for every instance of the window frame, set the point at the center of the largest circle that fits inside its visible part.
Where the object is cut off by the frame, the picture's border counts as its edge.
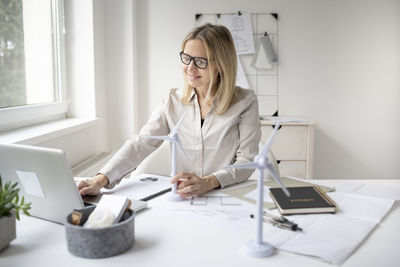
(21, 116)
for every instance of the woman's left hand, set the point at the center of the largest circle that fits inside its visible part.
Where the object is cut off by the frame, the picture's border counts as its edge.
(189, 184)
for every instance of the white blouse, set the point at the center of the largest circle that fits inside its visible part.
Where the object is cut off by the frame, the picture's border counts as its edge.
(232, 137)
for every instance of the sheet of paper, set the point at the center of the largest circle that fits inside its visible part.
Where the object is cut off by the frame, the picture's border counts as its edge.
(370, 190)
(253, 194)
(226, 213)
(332, 237)
(242, 32)
(140, 186)
(329, 237)
(241, 79)
(361, 207)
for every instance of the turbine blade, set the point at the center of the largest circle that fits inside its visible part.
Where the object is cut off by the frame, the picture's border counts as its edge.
(277, 179)
(271, 169)
(179, 143)
(268, 144)
(176, 127)
(251, 165)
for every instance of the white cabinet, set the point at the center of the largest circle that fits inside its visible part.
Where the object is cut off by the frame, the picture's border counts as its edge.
(293, 147)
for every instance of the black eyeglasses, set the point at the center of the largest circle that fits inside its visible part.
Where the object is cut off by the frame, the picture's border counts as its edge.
(199, 62)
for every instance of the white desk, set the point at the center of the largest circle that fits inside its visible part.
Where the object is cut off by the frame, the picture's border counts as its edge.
(162, 240)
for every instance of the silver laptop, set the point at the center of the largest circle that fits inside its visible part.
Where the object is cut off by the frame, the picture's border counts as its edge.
(45, 179)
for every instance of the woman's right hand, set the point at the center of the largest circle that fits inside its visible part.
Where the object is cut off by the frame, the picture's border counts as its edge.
(93, 185)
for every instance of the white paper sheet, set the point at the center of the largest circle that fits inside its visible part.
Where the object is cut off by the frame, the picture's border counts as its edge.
(241, 79)
(332, 237)
(242, 32)
(361, 207)
(329, 237)
(370, 190)
(253, 194)
(140, 186)
(226, 213)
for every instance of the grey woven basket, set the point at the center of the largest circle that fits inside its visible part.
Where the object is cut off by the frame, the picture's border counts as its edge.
(102, 242)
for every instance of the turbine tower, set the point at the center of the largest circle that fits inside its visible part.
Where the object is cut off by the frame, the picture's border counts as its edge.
(173, 137)
(258, 248)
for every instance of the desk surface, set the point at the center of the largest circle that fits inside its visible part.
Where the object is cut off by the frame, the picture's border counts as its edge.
(162, 240)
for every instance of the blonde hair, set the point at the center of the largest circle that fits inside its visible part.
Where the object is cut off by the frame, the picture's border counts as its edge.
(221, 51)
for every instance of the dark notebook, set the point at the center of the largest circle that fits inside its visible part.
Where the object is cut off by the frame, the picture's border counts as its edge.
(308, 199)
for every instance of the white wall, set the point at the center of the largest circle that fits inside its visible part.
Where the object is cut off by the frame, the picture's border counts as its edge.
(79, 39)
(119, 73)
(339, 65)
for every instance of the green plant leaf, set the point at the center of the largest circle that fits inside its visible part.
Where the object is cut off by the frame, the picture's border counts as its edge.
(10, 201)
(17, 213)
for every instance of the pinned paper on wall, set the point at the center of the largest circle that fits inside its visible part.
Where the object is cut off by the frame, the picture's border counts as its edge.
(241, 79)
(242, 32)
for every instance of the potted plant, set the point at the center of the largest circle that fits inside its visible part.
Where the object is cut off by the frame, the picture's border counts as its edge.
(10, 206)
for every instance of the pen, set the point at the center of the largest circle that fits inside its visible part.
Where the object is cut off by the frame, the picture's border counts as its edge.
(279, 221)
(156, 194)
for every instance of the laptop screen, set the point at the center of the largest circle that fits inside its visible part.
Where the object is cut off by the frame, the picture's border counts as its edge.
(44, 177)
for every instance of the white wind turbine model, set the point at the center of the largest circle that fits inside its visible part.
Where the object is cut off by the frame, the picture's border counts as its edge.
(258, 248)
(173, 137)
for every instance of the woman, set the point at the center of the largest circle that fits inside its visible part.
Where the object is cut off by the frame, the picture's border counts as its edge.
(221, 125)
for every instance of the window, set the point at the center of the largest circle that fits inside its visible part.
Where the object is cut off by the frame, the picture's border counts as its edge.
(32, 73)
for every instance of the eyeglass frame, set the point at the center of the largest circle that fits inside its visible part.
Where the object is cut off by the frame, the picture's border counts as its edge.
(193, 59)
